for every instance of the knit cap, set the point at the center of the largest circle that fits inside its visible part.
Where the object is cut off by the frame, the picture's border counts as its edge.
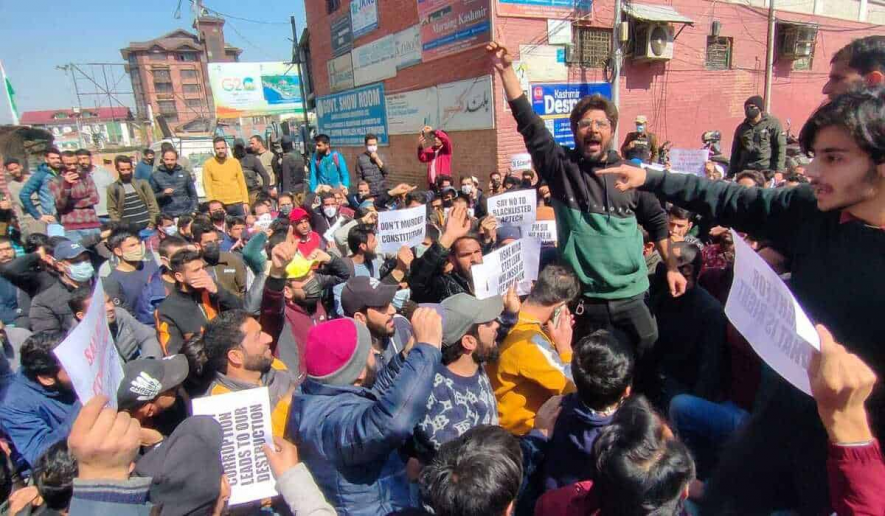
(336, 351)
(757, 101)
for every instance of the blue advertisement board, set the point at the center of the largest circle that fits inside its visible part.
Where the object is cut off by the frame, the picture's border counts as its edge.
(554, 103)
(348, 116)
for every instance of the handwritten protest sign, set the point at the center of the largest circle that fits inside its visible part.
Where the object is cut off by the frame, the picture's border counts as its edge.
(764, 310)
(544, 231)
(517, 208)
(89, 355)
(401, 228)
(514, 264)
(689, 161)
(244, 417)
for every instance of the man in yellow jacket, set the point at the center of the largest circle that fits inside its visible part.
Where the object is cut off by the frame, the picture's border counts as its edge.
(535, 358)
(223, 180)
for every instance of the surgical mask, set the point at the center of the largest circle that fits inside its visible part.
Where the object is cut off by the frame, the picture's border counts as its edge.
(211, 253)
(640, 128)
(372, 148)
(81, 272)
(401, 297)
(751, 111)
(467, 189)
(170, 230)
(420, 249)
(330, 211)
(135, 255)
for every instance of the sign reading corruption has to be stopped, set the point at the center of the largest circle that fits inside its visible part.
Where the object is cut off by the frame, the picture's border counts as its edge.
(347, 117)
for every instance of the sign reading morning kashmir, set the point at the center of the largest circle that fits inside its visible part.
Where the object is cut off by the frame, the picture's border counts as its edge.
(452, 26)
(347, 117)
(554, 103)
(255, 89)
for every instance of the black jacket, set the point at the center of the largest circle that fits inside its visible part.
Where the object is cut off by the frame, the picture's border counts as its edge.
(429, 283)
(292, 173)
(368, 171)
(184, 198)
(183, 315)
(254, 173)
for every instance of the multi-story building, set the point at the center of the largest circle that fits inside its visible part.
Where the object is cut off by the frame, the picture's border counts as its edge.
(94, 128)
(689, 65)
(169, 74)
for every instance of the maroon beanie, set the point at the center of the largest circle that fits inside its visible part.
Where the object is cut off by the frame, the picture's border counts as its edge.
(336, 351)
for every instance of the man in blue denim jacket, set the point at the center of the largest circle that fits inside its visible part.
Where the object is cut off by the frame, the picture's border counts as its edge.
(348, 424)
(39, 183)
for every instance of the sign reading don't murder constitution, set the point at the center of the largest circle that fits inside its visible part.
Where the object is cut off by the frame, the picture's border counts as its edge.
(244, 417)
(89, 355)
(765, 312)
(517, 208)
(401, 228)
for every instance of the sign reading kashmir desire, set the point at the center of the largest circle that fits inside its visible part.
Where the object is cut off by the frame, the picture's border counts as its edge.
(554, 103)
(347, 117)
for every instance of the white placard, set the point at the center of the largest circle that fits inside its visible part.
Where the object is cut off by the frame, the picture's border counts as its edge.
(329, 235)
(762, 308)
(520, 162)
(689, 161)
(89, 355)
(245, 421)
(407, 47)
(409, 112)
(467, 105)
(401, 228)
(544, 231)
(340, 73)
(516, 208)
(544, 63)
(559, 32)
(375, 61)
(363, 17)
(513, 264)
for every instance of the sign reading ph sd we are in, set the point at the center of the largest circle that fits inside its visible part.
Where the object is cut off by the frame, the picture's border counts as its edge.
(347, 117)
(452, 26)
(554, 103)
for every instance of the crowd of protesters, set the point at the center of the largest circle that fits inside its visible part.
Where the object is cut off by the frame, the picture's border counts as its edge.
(615, 386)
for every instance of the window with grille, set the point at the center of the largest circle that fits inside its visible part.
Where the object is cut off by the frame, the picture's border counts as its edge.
(592, 47)
(167, 107)
(190, 88)
(719, 53)
(188, 75)
(186, 56)
(162, 87)
(162, 76)
(332, 6)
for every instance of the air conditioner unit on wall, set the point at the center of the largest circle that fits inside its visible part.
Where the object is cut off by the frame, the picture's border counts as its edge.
(653, 42)
(798, 41)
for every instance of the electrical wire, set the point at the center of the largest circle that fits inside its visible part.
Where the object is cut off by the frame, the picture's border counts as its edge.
(240, 18)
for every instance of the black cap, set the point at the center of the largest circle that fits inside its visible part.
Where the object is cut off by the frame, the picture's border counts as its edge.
(146, 378)
(363, 292)
(757, 101)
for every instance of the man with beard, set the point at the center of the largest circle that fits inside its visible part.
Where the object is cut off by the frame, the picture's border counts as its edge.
(349, 424)
(308, 240)
(75, 199)
(225, 268)
(369, 301)
(102, 179)
(127, 282)
(363, 260)
(292, 299)
(239, 352)
(224, 181)
(40, 404)
(195, 301)
(598, 226)
(457, 248)
(38, 184)
(462, 396)
(131, 200)
(173, 186)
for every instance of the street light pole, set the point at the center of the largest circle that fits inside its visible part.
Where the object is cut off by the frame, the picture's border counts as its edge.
(616, 66)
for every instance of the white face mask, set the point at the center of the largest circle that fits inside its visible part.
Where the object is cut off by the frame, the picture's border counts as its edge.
(330, 211)
(467, 189)
(372, 148)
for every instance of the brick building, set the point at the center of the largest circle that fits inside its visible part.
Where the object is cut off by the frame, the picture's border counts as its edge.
(169, 74)
(93, 128)
(701, 87)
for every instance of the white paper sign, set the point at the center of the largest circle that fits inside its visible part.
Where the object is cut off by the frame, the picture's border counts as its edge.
(340, 73)
(374, 61)
(764, 311)
(520, 162)
(688, 161)
(407, 47)
(467, 105)
(411, 111)
(89, 355)
(544, 231)
(516, 208)
(559, 32)
(513, 264)
(244, 417)
(544, 63)
(401, 228)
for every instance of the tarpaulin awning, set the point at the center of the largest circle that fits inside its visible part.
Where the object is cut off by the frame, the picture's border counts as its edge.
(656, 13)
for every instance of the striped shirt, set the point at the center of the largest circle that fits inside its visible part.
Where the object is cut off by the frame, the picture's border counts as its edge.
(134, 210)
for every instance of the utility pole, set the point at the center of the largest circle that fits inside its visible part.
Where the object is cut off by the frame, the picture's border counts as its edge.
(616, 66)
(296, 60)
(769, 56)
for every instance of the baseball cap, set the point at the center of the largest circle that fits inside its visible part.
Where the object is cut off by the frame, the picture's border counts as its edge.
(461, 311)
(298, 214)
(65, 250)
(641, 119)
(145, 378)
(299, 267)
(363, 292)
(508, 233)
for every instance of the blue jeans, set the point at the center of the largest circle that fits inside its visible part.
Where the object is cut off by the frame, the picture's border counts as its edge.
(705, 426)
(76, 235)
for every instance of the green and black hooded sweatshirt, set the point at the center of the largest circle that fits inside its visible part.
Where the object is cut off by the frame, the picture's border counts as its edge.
(597, 224)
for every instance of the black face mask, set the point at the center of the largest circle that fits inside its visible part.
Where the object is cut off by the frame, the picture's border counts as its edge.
(447, 204)
(526, 183)
(751, 112)
(313, 293)
(211, 253)
(547, 200)
(217, 216)
(496, 183)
